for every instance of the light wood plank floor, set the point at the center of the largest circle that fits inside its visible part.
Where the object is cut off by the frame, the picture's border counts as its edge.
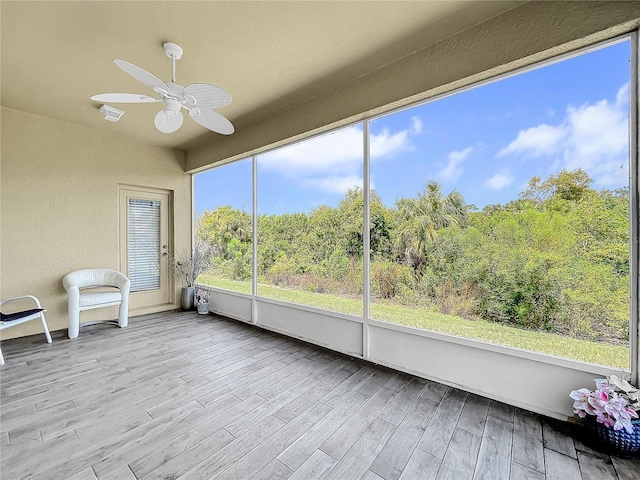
(177, 395)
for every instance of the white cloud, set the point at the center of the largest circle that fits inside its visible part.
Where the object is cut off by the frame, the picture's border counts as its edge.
(334, 183)
(384, 143)
(333, 162)
(417, 125)
(452, 170)
(341, 150)
(535, 141)
(592, 136)
(499, 181)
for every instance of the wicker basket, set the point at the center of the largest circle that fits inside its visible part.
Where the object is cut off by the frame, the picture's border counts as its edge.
(616, 442)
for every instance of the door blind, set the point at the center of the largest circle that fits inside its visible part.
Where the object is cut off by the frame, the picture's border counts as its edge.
(144, 244)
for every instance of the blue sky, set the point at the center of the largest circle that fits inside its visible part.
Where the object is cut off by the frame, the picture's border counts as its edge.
(486, 143)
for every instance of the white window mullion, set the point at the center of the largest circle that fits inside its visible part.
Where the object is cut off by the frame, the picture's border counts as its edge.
(634, 212)
(254, 240)
(366, 236)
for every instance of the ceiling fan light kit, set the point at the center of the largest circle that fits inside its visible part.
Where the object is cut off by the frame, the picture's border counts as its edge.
(110, 113)
(199, 99)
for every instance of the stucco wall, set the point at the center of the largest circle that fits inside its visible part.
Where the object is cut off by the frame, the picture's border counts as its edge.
(59, 206)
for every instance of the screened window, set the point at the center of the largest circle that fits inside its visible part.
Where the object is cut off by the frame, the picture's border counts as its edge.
(510, 212)
(224, 225)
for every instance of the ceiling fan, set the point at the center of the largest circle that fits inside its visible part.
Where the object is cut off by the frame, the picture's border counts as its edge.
(198, 98)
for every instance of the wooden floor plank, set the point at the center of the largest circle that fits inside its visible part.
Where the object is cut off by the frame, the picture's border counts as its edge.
(213, 436)
(520, 472)
(298, 452)
(258, 458)
(459, 462)
(421, 466)
(557, 436)
(298, 405)
(351, 384)
(274, 470)
(214, 464)
(357, 461)
(301, 375)
(627, 469)
(262, 380)
(494, 459)
(16, 465)
(397, 381)
(343, 439)
(434, 391)
(501, 410)
(595, 467)
(315, 467)
(474, 414)
(404, 401)
(374, 383)
(437, 435)
(560, 467)
(527, 440)
(391, 461)
(369, 475)
(184, 459)
(242, 425)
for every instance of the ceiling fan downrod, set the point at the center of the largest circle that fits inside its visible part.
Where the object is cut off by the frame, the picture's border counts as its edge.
(174, 52)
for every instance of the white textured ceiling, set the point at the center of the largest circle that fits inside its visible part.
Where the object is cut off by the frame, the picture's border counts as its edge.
(268, 55)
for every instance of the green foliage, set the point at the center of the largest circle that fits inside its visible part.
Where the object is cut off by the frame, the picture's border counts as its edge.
(556, 259)
(570, 186)
(420, 219)
(388, 278)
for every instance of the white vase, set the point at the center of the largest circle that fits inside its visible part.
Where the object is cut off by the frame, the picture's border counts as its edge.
(203, 308)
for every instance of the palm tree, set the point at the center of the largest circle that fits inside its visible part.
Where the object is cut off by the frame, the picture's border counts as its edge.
(422, 217)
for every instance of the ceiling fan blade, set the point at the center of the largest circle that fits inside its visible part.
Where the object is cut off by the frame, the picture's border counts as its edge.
(168, 121)
(123, 98)
(203, 95)
(143, 76)
(212, 120)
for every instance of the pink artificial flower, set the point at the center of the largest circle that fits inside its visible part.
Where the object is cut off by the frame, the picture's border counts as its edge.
(580, 395)
(605, 404)
(603, 384)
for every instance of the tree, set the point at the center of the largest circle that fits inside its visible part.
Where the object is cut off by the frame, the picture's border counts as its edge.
(220, 227)
(566, 185)
(350, 213)
(227, 232)
(420, 219)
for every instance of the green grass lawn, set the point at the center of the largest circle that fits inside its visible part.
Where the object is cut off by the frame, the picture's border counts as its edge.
(592, 352)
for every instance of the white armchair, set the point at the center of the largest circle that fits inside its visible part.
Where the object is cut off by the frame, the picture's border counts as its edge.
(74, 282)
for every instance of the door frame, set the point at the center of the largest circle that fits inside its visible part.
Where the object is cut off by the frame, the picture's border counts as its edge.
(123, 241)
